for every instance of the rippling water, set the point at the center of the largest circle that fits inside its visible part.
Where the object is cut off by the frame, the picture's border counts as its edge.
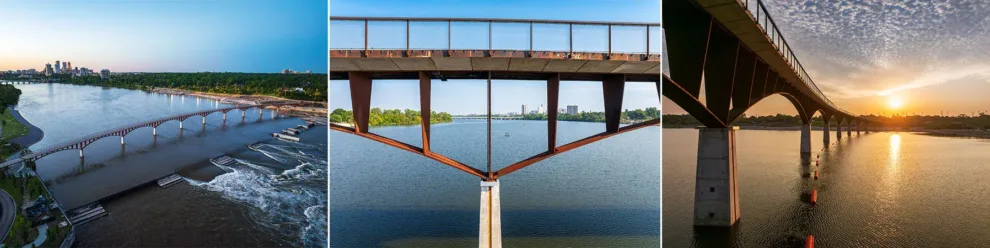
(274, 197)
(875, 190)
(603, 194)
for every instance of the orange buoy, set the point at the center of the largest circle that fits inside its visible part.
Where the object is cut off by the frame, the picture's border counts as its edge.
(809, 242)
(816, 175)
(814, 196)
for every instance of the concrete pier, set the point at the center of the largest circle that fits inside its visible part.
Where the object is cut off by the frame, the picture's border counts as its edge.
(490, 229)
(80, 153)
(154, 131)
(827, 136)
(838, 131)
(180, 125)
(121, 140)
(716, 201)
(806, 138)
(849, 132)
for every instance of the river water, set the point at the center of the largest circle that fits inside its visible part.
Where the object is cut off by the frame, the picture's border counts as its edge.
(884, 189)
(602, 194)
(275, 196)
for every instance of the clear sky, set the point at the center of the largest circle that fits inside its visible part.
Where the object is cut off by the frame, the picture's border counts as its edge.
(931, 55)
(468, 96)
(165, 36)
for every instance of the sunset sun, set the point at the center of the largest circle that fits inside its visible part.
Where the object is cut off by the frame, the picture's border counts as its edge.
(895, 102)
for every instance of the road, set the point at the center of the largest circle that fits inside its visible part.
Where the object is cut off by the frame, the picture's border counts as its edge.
(7, 211)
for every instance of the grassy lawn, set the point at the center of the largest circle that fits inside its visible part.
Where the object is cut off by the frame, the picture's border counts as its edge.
(11, 127)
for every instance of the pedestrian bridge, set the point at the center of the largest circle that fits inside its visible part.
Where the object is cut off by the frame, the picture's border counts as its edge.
(82, 142)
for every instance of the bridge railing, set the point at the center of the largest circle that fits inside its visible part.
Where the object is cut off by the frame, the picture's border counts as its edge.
(759, 13)
(384, 33)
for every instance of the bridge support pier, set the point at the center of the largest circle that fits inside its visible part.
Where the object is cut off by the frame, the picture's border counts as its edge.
(838, 131)
(80, 153)
(154, 131)
(857, 129)
(180, 125)
(849, 132)
(121, 140)
(490, 230)
(827, 135)
(806, 138)
(225, 118)
(716, 194)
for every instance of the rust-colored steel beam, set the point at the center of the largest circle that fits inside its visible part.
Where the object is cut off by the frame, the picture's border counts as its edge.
(424, 108)
(360, 99)
(613, 87)
(570, 146)
(411, 148)
(553, 95)
(489, 121)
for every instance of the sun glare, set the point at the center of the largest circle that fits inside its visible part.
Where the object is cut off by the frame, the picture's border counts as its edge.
(895, 102)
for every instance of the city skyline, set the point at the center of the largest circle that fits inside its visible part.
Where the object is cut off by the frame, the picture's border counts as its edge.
(167, 36)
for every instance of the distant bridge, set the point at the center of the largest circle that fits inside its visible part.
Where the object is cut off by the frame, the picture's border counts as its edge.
(82, 142)
(23, 82)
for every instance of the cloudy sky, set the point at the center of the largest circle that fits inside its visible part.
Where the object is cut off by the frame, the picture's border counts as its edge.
(933, 55)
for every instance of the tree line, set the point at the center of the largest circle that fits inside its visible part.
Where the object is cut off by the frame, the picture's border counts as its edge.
(390, 117)
(627, 116)
(981, 121)
(309, 87)
(9, 95)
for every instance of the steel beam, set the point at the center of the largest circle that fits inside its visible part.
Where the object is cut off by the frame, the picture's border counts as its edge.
(553, 95)
(424, 107)
(613, 87)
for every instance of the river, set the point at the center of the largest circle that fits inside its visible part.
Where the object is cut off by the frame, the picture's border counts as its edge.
(275, 196)
(602, 194)
(883, 189)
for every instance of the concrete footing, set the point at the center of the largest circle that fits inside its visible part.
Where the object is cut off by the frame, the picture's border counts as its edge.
(716, 201)
(490, 229)
(806, 138)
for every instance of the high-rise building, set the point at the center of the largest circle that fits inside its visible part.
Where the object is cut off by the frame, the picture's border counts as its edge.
(572, 109)
(65, 67)
(68, 66)
(48, 70)
(105, 74)
(541, 109)
(58, 66)
(524, 109)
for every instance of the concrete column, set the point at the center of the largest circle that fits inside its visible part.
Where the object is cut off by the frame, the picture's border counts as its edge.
(80, 153)
(224, 117)
(121, 140)
(716, 201)
(204, 119)
(838, 131)
(180, 125)
(490, 229)
(827, 129)
(806, 138)
(154, 131)
(857, 129)
(849, 132)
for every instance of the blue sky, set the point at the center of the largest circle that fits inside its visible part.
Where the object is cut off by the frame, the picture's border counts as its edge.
(468, 96)
(172, 36)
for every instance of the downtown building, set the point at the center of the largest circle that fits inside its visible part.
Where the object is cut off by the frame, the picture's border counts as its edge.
(572, 109)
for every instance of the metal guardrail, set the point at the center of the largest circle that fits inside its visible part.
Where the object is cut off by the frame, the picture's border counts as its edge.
(769, 28)
(450, 22)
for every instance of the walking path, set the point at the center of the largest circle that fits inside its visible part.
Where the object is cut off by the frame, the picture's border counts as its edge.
(7, 211)
(42, 235)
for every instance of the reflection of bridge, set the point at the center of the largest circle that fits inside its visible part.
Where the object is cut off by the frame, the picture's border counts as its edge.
(735, 50)
(82, 142)
(533, 62)
(486, 117)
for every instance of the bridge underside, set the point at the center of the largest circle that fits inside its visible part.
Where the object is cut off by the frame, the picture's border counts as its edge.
(504, 64)
(716, 45)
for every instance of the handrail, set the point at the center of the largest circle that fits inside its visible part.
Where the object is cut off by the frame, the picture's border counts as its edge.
(490, 21)
(784, 48)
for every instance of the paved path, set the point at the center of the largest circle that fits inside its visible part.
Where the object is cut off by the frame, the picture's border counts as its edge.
(7, 211)
(42, 235)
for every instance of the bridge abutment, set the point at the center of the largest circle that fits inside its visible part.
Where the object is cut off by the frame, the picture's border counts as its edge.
(716, 201)
(806, 138)
(490, 230)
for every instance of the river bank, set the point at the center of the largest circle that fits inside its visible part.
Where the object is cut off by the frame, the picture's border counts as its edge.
(34, 133)
(316, 109)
